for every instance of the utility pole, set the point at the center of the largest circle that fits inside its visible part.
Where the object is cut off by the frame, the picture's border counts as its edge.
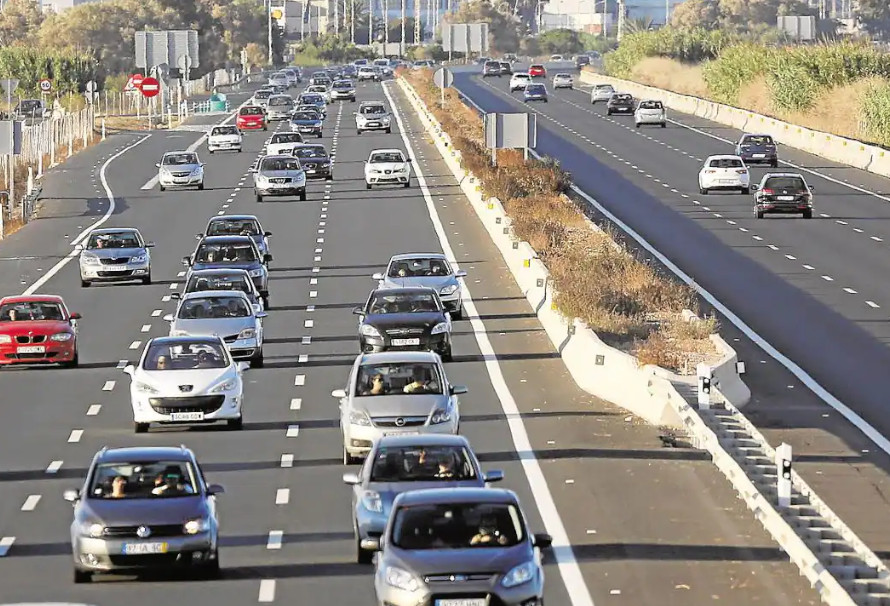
(269, 20)
(337, 17)
(418, 11)
(352, 21)
(667, 11)
(370, 22)
(620, 19)
(404, 20)
(385, 26)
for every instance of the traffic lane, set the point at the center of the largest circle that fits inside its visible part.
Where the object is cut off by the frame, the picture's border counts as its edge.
(607, 470)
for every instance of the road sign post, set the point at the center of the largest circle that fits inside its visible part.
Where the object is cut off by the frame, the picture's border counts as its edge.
(46, 86)
(443, 78)
(150, 88)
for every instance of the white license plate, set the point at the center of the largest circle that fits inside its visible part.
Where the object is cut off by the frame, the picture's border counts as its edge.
(306, 129)
(32, 349)
(373, 124)
(401, 433)
(187, 416)
(462, 602)
(785, 198)
(405, 342)
(181, 180)
(759, 156)
(310, 171)
(726, 181)
(142, 548)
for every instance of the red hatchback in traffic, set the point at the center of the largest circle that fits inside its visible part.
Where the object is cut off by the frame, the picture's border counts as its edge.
(37, 329)
(251, 117)
(537, 71)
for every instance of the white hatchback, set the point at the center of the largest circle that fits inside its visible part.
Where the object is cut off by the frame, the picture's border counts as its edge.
(519, 81)
(601, 92)
(563, 81)
(388, 167)
(724, 172)
(650, 112)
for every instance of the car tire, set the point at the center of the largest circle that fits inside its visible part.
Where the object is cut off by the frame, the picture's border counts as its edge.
(267, 303)
(201, 186)
(348, 459)
(235, 424)
(389, 131)
(608, 112)
(367, 186)
(358, 131)
(808, 214)
(447, 355)
(258, 361)
(362, 556)
(408, 183)
(265, 127)
(638, 125)
(140, 427)
(458, 314)
(758, 214)
(703, 191)
(85, 283)
(82, 576)
(664, 125)
(146, 280)
(746, 190)
(259, 198)
(211, 570)
(161, 187)
(319, 135)
(239, 150)
(303, 196)
(774, 163)
(329, 178)
(210, 151)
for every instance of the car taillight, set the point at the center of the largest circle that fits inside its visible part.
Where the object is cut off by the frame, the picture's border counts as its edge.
(742, 171)
(710, 172)
(768, 192)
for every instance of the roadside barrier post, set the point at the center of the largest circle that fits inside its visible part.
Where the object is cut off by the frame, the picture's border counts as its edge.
(783, 477)
(30, 180)
(704, 385)
(103, 129)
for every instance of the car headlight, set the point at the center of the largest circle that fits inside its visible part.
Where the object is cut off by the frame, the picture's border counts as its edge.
(90, 259)
(440, 416)
(439, 328)
(370, 331)
(61, 336)
(385, 120)
(357, 417)
(247, 333)
(197, 170)
(175, 332)
(255, 273)
(144, 388)
(262, 179)
(520, 574)
(92, 529)
(372, 502)
(195, 526)
(225, 386)
(374, 171)
(139, 259)
(401, 579)
(449, 290)
(5, 339)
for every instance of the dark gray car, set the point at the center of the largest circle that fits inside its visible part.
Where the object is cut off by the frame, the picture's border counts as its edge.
(233, 252)
(757, 149)
(470, 545)
(411, 318)
(397, 464)
(144, 508)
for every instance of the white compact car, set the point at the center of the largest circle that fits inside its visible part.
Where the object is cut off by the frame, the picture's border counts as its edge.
(186, 380)
(180, 169)
(372, 115)
(226, 137)
(650, 112)
(601, 92)
(367, 72)
(279, 79)
(283, 143)
(519, 81)
(387, 167)
(724, 172)
(563, 81)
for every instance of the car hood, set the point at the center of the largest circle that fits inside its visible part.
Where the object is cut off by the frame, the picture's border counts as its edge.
(180, 168)
(387, 166)
(402, 405)
(306, 122)
(425, 562)
(167, 382)
(222, 327)
(112, 253)
(37, 327)
(148, 512)
(277, 174)
(248, 265)
(225, 137)
(435, 282)
(425, 319)
(369, 117)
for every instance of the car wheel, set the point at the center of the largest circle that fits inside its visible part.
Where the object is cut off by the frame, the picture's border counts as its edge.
(348, 459)
(267, 304)
(808, 214)
(210, 151)
(259, 198)
(329, 177)
(85, 283)
(458, 314)
(211, 569)
(82, 576)
(235, 424)
(362, 556)
(664, 125)
(239, 150)
(774, 163)
(73, 362)
(319, 135)
(638, 125)
(407, 183)
(703, 191)
(609, 112)
(367, 186)
(758, 214)
(161, 187)
(265, 127)
(140, 427)
(146, 280)
(389, 131)
(258, 361)
(447, 355)
(303, 195)
(201, 185)
(746, 190)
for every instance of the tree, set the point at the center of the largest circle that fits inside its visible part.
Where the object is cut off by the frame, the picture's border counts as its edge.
(694, 14)
(560, 41)
(874, 15)
(19, 22)
(735, 15)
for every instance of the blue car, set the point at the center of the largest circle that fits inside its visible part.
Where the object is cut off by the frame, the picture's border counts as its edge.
(315, 100)
(306, 122)
(400, 463)
(535, 92)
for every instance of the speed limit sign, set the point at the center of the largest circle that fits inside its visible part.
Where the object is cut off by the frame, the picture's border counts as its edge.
(46, 85)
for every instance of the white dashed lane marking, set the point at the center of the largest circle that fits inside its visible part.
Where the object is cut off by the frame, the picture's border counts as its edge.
(296, 403)
(300, 380)
(5, 545)
(93, 410)
(31, 502)
(276, 537)
(267, 590)
(75, 436)
(54, 467)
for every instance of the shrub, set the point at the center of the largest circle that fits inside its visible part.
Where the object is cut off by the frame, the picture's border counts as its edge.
(874, 112)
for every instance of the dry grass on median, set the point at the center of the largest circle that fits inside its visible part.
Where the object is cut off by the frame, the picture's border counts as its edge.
(625, 300)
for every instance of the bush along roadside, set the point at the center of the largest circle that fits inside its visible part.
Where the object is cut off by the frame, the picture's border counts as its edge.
(625, 300)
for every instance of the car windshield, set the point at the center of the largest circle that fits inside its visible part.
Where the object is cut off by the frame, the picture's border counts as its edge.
(457, 526)
(398, 378)
(385, 302)
(537, 67)
(233, 227)
(792, 183)
(185, 355)
(343, 84)
(621, 98)
(312, 99)
(263, 94)
(307, 116)
(224, 130)
(213, 308)
(310, 152)
(650, 105)
(287, 138)
(373, 109)
(605, 87)
(419, 267)
(224, 282)
(179, 159)
(422, 464)
(251, 111)
(726, 163)
(563, 77)
(143, 480)
(317, 88)
(757, 140)
(120, 239)
(281, 101)
(276, 164)
(535, 88)
(226, 253)
(31, 311)
(386, 157)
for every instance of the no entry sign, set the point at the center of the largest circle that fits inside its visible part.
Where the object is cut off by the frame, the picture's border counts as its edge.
(150, 87)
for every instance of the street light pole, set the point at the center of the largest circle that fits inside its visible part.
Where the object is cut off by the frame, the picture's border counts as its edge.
(402, 39)
(352, 21)
(269, 24)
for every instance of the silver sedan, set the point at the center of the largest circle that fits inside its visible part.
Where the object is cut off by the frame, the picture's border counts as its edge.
(427, 270)
(115, 255)
(279, 176)
(180, 169)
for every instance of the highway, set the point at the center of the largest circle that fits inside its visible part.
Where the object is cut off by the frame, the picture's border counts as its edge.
(811, 289)
(647, 524)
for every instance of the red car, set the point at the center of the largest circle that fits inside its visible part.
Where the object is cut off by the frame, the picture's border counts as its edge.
(251, 117)
(37, 329)
(537, 71)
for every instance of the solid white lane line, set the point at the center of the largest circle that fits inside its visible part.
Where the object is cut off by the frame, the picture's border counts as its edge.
(31, 502)
(54, 467)
(287, 460)
(267, 590)
(296, 403)
(75, 436)
(275, 539)
(300, 380)
(111, 207)
(574, 581)
(872, 304)
(93, 410)
(293, 431)
(135, 344)
(145, 328)
(282, 496)
(5, 545)
(109, 385)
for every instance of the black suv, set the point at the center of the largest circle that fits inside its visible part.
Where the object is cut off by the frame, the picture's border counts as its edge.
(783, 193)
(757, 149)
(405, 319)
(620, 103)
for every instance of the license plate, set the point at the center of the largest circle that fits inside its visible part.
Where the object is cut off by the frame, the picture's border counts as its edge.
(786, 198)
(310, 171)
(373, 124)
(727, 181)
(401, 433)
(462, 602)
(405, 342)
(143, 548)
(32, 349)
(759, 156)
(181, 180)
(187, 416)
(306, 129)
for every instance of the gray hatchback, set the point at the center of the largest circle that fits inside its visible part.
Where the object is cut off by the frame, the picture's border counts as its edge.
(144, 508)
(458, 547)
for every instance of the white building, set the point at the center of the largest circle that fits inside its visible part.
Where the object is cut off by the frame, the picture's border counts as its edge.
(579, 15)
(58, 6)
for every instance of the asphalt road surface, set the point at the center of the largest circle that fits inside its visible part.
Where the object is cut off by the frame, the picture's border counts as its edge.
(647, 524)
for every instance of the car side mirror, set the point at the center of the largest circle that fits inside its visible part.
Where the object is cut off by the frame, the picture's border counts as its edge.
(458, 389)
(351, 478)
(129, 369)
(199, 236)
(460, 274)
(812, 188)
(262, 314)
(267, 233)
(72, 496)
(267, 258)
(75, 316)
(358, 311)
(149, 245)
(177, 296)
(187, 260)
(542, 540)
(252, 170)
(339, 393)
(168, 318)
(377, 276)
(755, 187)
(494, 475)
(214, 489)
(78, 247)
(371, 544)
(242, 366)
(157, 165)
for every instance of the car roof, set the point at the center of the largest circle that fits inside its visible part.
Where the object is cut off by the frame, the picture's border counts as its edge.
(308, 144)
(419, 255)
(233, 217)
(214, 294)
(285, 156)
(182, 151)
(755, 135)
(372, 102)
(424, 439)
(386, 151)
(186, 339)
(114, 230)
(409, 357)
(131, 453)
(218, 271)
(32, 299)
(404, 290)
(441, 496)
(561, 74)
(724, 157)
(228, 238)
(783, 175)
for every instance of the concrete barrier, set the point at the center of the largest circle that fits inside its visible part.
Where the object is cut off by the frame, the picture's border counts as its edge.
(832, 147)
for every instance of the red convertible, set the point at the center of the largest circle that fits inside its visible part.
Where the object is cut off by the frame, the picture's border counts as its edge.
(37, 329)
(251, 117)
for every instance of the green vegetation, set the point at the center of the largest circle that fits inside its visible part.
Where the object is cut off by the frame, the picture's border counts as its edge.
(328, 48)
(688, 46)
(69, 71)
